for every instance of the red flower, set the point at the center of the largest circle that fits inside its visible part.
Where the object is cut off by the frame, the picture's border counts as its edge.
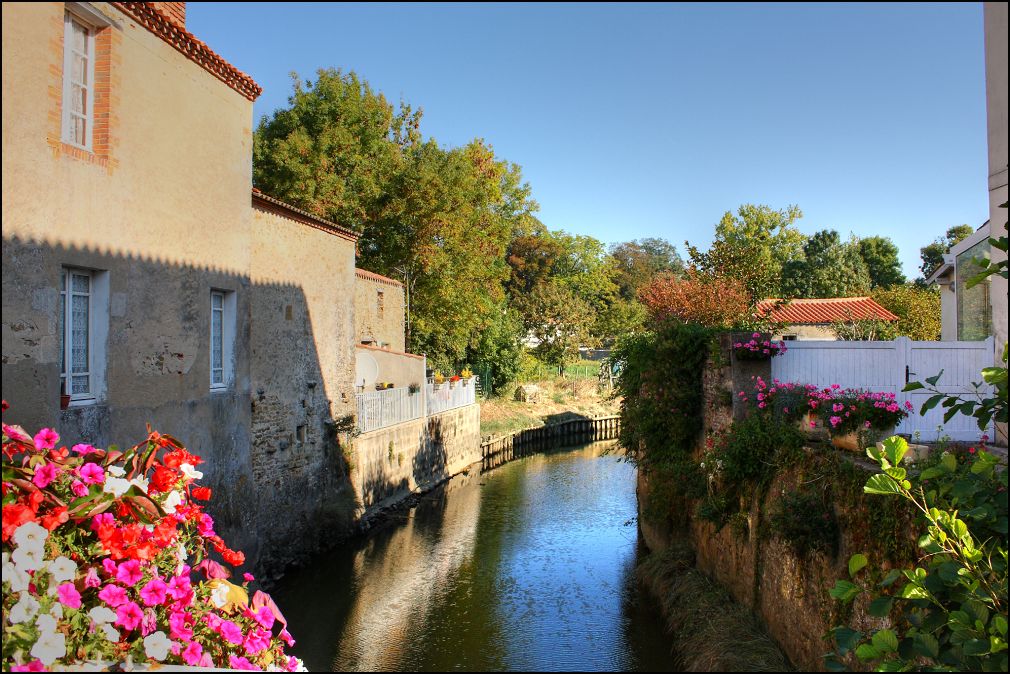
(164, 478)
(15, 515)
(233, 557)
(55, 518)
(201, 493)
(180, 456)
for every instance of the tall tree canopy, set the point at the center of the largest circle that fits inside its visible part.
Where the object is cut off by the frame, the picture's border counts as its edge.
(932, 254)
(752, 247)
(638, 262)
(829, 267)
(439, 219)
(881, 258)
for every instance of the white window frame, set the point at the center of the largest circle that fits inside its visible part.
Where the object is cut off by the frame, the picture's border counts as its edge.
(227, 318)
(69, 18)
(66, 374)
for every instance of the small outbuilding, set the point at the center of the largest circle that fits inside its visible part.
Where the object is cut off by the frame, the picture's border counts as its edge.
(812, 319)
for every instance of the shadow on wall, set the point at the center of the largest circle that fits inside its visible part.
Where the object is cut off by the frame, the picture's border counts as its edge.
(270, 453)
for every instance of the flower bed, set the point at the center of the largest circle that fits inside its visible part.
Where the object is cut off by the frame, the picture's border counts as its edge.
(107, 557)
(758, 349)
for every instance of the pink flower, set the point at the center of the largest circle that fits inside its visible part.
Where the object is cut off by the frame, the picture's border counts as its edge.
(113, 595)
(866, 424)
(178, 628)
(46, 439)
(129, 573)
(129, 615)
(108, 565)
(256, 641)
(79, 488)
(292, 665)
(265, 617)
(206, 525)
(149, 623)
(835, 421)
(286, 637)
(69, 596)
(92, 473)
(179, 588)
(756, 335)
(91, 578)
(45, 474)
(154, 592)
(83, 449)
(231, 632)
(236, 662)
(248, 577)
(191, 654)
(33, 666)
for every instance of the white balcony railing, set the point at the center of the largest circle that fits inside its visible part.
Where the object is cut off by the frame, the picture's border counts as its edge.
(449, 395)
(379, 409)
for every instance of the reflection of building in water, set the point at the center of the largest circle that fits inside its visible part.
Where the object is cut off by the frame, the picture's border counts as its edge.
(399, 577)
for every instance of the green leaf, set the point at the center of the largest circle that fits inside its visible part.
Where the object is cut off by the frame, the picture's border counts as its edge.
(999, 622)
(885, 641)
(935, 378)
(932, 473)
(912, 591)
(949, 461)
(867, 652)
(913, 386)
(881, 607)
(881, 484)
(892, 575)
(847, 639)
(895, 447)
(975, 647)
(926, 645)
(856, 563)
(844, 591)
(930, 403)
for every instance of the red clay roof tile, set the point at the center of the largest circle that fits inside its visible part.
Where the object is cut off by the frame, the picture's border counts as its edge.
(824, 310)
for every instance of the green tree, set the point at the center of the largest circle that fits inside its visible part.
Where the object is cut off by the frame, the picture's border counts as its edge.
(752, 247)
(932, 254)
(563, 322)
(829, 268)
(497, 350)
(917, 309)
(637, 262)
(335, 148)
(881, 258)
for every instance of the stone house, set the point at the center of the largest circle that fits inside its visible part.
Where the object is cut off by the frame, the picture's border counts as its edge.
(145, 281)
(811, 319)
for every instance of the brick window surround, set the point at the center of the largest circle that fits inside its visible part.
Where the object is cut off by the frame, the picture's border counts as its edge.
(108, 39)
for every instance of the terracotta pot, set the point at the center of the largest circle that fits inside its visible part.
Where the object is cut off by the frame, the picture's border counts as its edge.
(851, 441)
(64, 401)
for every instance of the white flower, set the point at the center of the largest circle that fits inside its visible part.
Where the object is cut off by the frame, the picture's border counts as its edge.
(24, 610)
(141, 483)
(110, 632)
(31, 536)
(190, 472)
(156, 646)
(56, 610)
(26, 559)
(172, 501)
(219, 596)
(46, 623)
(16, 577)
(115, 471)
(50, 647)
(63, 569)
(102, 615)
(116, 486)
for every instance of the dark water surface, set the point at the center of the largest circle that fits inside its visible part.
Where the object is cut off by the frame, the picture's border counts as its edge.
(527, 567)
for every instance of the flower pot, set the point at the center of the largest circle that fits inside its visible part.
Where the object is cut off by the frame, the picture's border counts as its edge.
(856, 441)
(64, 401)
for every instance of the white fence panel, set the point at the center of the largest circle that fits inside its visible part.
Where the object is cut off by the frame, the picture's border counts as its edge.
(442, 397)
(887, 367)
(378, 409)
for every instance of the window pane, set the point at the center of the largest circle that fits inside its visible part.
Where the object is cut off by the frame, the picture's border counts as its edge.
(79, 37)
(216, 335)
(63, 327)
(216, 300)
(79, 333)
(217, 377)
(82, 283)
(81, 384)
(78, 69)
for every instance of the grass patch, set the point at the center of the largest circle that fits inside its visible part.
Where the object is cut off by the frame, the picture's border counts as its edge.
(710, 631)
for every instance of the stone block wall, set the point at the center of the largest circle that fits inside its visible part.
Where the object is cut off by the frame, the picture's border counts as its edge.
(389, 464)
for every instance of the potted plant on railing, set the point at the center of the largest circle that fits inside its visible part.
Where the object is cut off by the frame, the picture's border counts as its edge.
(453, 379)
(438, 379)
(414, 388)
(856, 419)
(466, 375)
(757, 349)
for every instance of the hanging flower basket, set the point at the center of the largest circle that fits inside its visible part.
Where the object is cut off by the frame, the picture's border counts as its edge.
(757, 349)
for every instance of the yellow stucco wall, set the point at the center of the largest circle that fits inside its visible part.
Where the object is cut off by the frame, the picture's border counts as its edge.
(178, 189)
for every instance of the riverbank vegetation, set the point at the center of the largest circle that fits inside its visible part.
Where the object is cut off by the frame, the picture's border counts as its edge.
(709, 631)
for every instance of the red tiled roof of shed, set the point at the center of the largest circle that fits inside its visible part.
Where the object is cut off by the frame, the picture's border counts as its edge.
(823, 310)
(167, 27)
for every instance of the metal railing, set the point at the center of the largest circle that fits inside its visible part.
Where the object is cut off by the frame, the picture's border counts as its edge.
(379, 409)
(450, 395)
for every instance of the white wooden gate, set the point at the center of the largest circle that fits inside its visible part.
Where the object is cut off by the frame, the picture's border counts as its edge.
(888, 366)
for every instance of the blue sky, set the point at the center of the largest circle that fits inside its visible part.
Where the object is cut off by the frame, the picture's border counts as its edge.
(633, 121)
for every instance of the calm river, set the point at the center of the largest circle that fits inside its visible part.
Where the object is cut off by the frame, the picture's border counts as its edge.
(527, 567)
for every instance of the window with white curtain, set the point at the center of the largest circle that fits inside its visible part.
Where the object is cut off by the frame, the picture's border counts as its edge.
(222, 338)
(78, 81)
(76, 333)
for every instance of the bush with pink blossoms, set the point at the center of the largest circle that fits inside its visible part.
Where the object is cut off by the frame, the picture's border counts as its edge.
(758, 348)
(108, 557)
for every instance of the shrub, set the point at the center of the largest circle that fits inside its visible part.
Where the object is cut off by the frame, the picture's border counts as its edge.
(696, 298)
(852, 410)
(107, 556)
